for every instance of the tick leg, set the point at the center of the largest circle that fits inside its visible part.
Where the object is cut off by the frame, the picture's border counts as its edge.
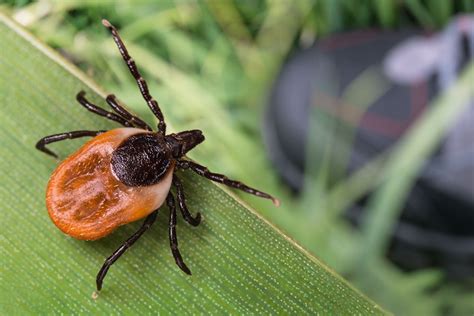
(132, 119)
(172, 234)
(80, 97)
(120, 250)
(142, 85)
(182, 203)
(41, 144)
(216, 177)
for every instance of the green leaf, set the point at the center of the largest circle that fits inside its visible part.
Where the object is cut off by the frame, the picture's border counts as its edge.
(241, 264)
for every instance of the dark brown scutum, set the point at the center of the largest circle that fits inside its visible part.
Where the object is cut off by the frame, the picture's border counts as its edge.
(141, 160)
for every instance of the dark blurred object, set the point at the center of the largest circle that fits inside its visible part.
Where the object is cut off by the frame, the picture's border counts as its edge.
(437, 224)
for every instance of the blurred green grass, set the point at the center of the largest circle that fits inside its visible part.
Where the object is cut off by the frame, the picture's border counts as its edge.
(210, 65)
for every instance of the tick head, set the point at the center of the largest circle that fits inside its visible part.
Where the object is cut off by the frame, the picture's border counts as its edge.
(183, 142)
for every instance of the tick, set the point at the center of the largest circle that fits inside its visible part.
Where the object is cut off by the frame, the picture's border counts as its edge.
(125, 174)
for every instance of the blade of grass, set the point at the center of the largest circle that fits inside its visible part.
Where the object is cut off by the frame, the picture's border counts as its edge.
(406, 162)
(241, 263)
(420, 12)
(386, 11)
(441, 11)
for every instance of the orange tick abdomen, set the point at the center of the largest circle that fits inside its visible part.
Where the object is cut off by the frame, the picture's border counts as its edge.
(87, 201)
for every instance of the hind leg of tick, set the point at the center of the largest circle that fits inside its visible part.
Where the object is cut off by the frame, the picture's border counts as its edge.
(123, 247)
(173, 236)
(145, 226)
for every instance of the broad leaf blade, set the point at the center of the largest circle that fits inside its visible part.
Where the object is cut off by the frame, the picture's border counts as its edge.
(240, 263)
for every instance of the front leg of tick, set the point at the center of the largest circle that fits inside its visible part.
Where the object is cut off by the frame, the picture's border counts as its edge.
(217, 177)
(172, 234)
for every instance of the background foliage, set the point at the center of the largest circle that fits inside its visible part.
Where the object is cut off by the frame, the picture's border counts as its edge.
(211, 63)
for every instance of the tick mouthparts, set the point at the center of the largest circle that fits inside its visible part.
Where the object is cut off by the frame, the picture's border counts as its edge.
(276, 202)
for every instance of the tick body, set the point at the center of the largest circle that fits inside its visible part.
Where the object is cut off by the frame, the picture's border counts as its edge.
(87, 200)
(125, 174)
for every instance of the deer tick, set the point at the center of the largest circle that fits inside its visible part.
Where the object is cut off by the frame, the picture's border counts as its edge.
(125, 174)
